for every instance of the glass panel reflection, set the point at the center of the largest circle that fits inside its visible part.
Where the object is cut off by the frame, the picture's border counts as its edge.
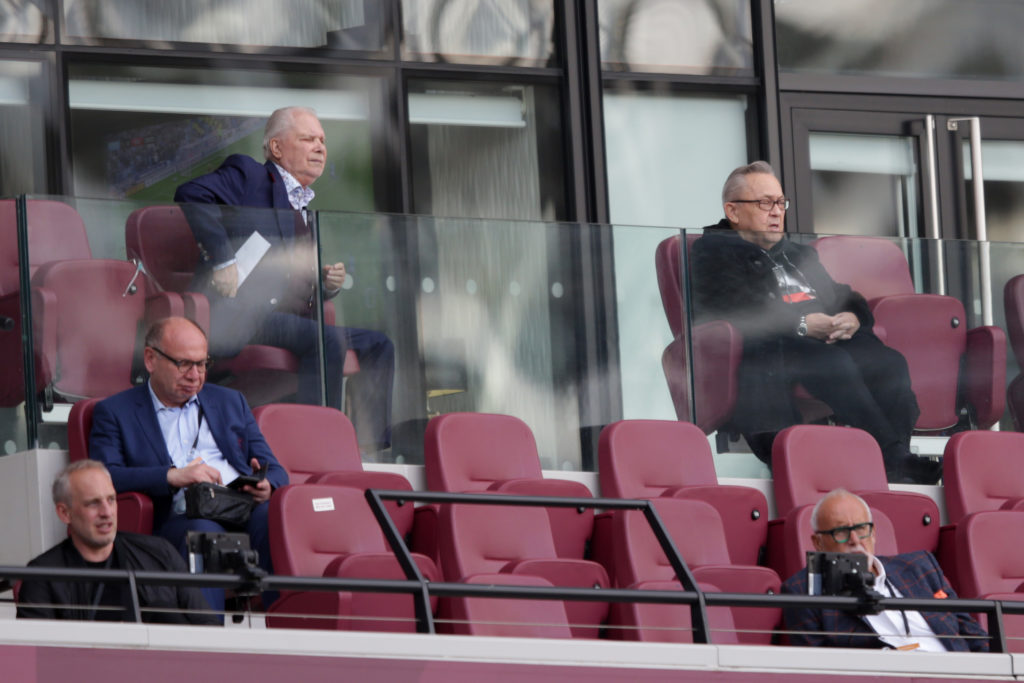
(26, 21)
(340, 24)
(902, 38)
(864, 184)
(486, 150)
(511, 32)
(24, 98)
(700, 37)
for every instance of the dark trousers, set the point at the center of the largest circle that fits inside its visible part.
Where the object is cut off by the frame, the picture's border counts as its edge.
(176, 527)
(372, 386)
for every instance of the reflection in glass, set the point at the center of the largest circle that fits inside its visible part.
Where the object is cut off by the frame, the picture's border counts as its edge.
(23, 97)
(677, 36)
(140, 132)
(485, 150)
(479, 31)
(341, 24)
(918, 38)
(864, 185)
(25, 21)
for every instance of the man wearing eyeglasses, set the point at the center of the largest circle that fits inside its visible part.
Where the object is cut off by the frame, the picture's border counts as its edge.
(841, 523)
(799, 326)
(175, 430)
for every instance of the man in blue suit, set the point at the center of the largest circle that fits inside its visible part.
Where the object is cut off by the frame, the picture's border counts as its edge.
(842, 523)
(244, 202)
(174, 431)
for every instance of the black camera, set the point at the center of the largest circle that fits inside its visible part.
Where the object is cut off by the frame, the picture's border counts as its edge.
(224, 553)
(843, 575)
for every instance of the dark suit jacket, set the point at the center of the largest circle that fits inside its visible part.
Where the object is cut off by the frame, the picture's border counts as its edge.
(223, 209)
(915, 575)
(132, 551)
(126, 436)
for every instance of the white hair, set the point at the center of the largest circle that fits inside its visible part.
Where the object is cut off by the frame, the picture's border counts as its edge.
(835, 493)
(737, 180)
(279, 122)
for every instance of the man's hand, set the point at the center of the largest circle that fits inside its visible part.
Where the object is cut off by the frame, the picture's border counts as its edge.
(225, 280)
(261, 492)
(195, 472)
(334, 276)
(832, 328)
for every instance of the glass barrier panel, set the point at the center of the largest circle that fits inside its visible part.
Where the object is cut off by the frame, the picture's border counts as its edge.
(13, 429)
(26, 21)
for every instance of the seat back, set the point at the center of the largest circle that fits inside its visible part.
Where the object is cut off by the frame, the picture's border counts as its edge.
(483, 539)
(312, 524)
(990, 553)
(1013, 302)
(466, 452)
(160, 237)
(519, 618)
(808, 461)
(309, 440)
(646, 458)
(873, 266)
(56, 232)
(668, 266)
(982, 470)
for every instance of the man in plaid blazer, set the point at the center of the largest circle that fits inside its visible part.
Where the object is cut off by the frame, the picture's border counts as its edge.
(841, 522)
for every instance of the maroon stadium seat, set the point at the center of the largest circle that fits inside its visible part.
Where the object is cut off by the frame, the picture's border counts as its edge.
(324, 530)
(697, 531)
(498, 539)
(318, 445)
(653, 458)
(1013, 304)
(519, 618)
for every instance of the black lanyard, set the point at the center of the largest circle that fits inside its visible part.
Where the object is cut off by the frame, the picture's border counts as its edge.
(199, 428)
(99, 589)
(903, 613)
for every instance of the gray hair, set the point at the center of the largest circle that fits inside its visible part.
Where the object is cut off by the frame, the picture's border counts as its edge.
(155, 333)
(280, 121)
(737, 180)
(62, 484)
(835, 493)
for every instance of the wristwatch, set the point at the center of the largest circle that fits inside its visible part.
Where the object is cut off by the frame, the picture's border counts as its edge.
(801, 329)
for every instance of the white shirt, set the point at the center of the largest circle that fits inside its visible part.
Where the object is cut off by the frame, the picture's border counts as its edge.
(898, 628)
(298, 196)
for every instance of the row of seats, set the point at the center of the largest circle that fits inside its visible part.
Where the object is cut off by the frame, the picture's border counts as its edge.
(721, 531)
(87, 312)
(949, 365)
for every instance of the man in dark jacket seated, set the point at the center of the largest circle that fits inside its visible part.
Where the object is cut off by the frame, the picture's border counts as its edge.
(799, 326)
(841, 522)
(85, 499)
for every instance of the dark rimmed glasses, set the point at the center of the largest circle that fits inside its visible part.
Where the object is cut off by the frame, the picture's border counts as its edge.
(841, 534)
(763, 204)
(185, 365)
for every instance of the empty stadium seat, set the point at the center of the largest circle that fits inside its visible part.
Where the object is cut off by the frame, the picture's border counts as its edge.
(160, 239)
(981, 470)
(498, 539)
(324, 530)
(475, 452)
(811, 460)
(521, 618)
(930, 330)
(654, 458)
(666, 623)
(318, 445)
(1013, 305)
(697, 531)
(990, 553)
(134, 509)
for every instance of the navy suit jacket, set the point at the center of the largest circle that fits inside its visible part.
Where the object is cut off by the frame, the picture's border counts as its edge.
(126, 436)
(224, 208)
(915, 575)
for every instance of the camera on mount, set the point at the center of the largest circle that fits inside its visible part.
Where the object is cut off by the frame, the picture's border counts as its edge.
(842, 575)
(225, 553)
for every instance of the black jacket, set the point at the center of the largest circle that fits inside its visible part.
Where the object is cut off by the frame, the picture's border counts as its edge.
(133, 551)
(732, 280)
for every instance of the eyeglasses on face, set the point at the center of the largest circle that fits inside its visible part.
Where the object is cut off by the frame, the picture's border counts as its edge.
(185, 365)
(841, 534)
(764, 204)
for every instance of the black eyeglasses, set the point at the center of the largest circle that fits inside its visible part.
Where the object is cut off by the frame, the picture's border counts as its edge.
(763, 204)
(186, 365)
(841, 534)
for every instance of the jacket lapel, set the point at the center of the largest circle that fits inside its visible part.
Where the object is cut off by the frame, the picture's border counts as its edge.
(146, 417)
(285, 215)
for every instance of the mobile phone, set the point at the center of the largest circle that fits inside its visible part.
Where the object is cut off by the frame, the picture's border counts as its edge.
(249, 479)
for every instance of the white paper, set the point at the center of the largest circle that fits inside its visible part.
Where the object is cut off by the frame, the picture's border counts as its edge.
(249, 254)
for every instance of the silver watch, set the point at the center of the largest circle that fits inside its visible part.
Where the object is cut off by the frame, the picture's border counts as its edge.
(801, 328)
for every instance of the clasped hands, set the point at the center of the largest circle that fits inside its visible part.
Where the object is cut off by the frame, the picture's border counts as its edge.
(832, 328)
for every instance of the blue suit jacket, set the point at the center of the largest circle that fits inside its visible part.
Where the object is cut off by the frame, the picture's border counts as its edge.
(915, 575)
(127, 438)
(223, 209)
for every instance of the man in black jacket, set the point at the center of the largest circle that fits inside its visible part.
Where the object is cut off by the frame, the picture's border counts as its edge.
(86, 501)
(799, 326)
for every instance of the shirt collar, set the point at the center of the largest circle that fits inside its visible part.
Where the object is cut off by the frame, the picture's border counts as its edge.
(298, 196)
(158, 404)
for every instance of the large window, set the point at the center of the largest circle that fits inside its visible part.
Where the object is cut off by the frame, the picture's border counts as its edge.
(25, 21)
(23, 103)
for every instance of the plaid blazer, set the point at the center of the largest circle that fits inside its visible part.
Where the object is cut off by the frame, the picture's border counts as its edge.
(916, 575)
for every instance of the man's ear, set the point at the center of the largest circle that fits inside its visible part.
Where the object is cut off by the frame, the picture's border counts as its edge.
(64, 513)
(816, 542)
(731, 213)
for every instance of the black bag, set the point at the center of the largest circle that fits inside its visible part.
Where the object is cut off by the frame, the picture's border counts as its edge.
(219, 504)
